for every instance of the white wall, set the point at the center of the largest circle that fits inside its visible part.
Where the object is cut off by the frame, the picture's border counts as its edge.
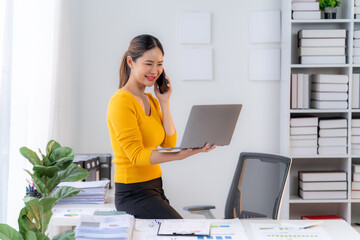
(101, 32)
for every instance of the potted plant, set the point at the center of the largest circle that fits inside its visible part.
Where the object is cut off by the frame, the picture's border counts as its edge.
(329, 7)
(54, 167)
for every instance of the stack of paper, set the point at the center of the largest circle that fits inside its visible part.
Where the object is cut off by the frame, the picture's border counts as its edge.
(92, 192)
(94, 227)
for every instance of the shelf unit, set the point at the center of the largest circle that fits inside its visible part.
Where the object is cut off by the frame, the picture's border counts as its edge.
(293, 206)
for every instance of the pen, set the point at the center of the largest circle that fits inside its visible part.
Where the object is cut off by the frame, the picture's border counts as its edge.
(153, 223)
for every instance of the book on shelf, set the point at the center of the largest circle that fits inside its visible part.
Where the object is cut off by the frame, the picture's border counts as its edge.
(356, 2)
(355, 194)
(322, 42)
(320, 217)
(297, 15)
(333, 123)
(294, 91)
(356, 43)
(333, 132)
(323, 194)
(355, 139)
(355, 146)
(355, 151)
(329, 78)
(303, 130)
(323, 186)
(329, 96)
(321, 51)
(332, 141)
(356, 177)
(329, 87)
(355, 103)
(300, 89)
(355, 185)
(305, 6)
(356, 51)
(357, 10)
(306, 90)
(355, 168)
(322, 33)
(304, 122)
(303, 143)
(356, 59)
(329, 104)
(356, 34)
(303, 151)
(355, 131)
(332, 150)
(322, 59)
(320, 176)
(303, 137)
(357, 16)
(355, 122)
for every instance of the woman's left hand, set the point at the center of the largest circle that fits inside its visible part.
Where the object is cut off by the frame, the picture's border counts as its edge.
(165, 97)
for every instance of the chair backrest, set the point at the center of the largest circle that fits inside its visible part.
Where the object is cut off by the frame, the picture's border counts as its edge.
(258, 186)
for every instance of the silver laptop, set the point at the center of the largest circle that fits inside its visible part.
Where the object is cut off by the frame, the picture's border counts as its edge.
(214, 124)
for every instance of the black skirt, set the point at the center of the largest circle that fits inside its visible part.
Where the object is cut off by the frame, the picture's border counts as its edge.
(144, 200)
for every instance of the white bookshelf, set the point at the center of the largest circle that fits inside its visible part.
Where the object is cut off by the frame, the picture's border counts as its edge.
(293, 206)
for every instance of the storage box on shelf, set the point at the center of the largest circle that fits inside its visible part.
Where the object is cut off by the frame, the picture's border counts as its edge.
(326, 57)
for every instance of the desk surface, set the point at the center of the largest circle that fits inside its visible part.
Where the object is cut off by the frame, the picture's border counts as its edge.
(337, 229)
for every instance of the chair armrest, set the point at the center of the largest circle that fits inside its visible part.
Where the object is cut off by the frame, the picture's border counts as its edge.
(199, 207)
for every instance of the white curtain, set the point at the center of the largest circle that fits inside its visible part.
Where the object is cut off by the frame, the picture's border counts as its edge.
(41, 47)
(5, 77)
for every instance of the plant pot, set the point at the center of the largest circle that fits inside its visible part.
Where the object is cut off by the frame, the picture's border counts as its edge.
(330, 13)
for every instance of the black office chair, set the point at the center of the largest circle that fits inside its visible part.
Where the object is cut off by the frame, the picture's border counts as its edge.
(257, 188)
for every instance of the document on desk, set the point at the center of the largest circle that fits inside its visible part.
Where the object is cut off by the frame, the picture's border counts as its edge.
(184, 227)
(272, 231)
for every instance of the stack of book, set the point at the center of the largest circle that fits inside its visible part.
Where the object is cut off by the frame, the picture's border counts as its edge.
(355, 136)
(329, 91)
(356, 49)
(332, 137)
(355, 184)
(97, 227)
(92, 192)
(303, 136)
(300, 91)
(322, 184)
(305, 9)
(357, 9)
(355, 92)
(322, 46)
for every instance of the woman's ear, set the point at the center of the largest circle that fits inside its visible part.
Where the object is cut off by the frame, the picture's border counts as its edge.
(129, 61)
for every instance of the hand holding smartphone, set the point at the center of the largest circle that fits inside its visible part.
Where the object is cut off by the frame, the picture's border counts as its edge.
(162, 83)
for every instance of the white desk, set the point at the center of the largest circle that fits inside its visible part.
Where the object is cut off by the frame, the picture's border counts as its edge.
(337, 229)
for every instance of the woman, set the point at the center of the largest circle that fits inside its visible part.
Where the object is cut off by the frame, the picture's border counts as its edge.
(139, 122)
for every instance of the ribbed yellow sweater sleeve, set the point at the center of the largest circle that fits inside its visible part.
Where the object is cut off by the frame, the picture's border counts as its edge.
(122, 116)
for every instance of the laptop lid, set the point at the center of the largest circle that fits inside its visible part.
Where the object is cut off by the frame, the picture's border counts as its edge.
(210, 123)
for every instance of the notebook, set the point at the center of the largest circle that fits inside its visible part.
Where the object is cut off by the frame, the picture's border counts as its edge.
(214, 124)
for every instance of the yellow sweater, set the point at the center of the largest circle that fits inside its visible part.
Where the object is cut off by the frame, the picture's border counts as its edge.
(133, 134)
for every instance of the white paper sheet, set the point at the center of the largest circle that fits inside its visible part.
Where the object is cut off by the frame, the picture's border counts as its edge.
(195, 27)
(264, 26)
(270, 231)
(264, 64)
(196, 64)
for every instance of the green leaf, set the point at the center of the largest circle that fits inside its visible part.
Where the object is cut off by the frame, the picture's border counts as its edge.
(39, 183)
(73, 173)
(30, 155)
(67, 235)
(60, 153)
(64, 163)
(48, 171)
(51, 146)
(30, 235)
(9, 233)
(25, 222)
(37, 206)
(46, 161)
(41, 236)
(65, 192)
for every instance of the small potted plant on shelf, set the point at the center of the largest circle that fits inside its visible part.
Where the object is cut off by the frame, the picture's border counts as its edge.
(329, 7)
(54, 167)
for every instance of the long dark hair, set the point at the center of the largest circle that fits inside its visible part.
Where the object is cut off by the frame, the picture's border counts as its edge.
(138, 46)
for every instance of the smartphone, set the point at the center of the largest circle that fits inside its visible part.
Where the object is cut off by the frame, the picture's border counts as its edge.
(162, 83)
